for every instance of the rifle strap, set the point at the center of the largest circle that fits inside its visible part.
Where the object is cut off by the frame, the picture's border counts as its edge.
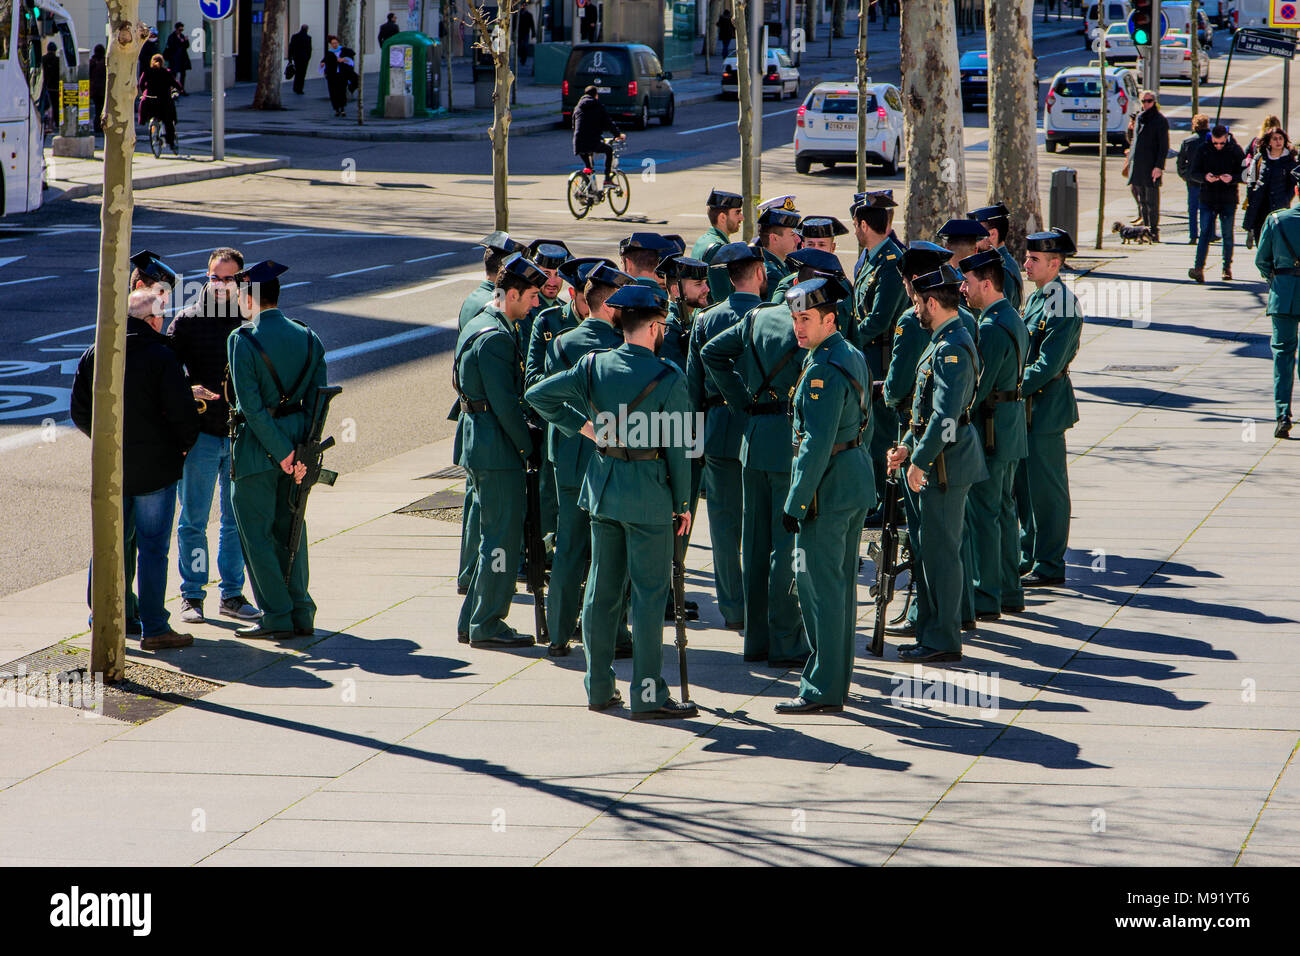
(769, 376)
(863, 403)
(455, 362)
(283, 406)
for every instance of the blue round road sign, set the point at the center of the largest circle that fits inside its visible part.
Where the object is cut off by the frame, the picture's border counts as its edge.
(216, 9)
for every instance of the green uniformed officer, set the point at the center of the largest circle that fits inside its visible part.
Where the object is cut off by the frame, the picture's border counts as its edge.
(488, 375)
(831, 490)
(1055, 323)
(274, 418)
(642, 252)
(598, 280)
(724, 425)
(999, 418)
(726, 214)
(820, 232)
(879, 299)
(809, 264)
(687, 282)
(1278, 261)
(778, 236)
(755, 364)
(635, 490)
(497, 247)
(945, 460)
(997, 220)
(560, 317)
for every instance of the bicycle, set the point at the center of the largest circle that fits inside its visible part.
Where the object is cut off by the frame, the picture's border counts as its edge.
(586, 191)
(157, 132)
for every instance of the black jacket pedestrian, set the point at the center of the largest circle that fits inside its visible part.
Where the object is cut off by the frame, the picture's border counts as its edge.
(177, 53)
(1272, 190)
(387, 30)
(1219, 196)
(1186, 151)
(300, 49)
(198, 336)
(590, 120)
(1150, 147)
(726, 27)
(147, 51)
(160, 419)
(52, 73)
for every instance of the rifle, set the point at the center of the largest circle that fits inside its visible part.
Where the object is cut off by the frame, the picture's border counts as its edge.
(886, 557)
(310, 453)
(534, 546)
(679, 607)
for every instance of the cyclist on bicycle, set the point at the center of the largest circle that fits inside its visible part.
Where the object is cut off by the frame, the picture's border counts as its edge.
(590, 123)
(157, 97)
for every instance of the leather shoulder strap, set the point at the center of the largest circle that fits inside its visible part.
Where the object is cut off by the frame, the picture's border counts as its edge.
(248, 337)
(455, 362)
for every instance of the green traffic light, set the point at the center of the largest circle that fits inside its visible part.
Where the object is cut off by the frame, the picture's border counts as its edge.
(1140, 37)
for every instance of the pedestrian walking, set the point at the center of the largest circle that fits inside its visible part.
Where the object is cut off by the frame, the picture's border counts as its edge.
(157, 89)
(198, 335)
(389, 28)
(52, 76)
(636, 493)
(1270, 123)
(527, 30)
(1270, 184)
(1217, 169)
(177, 55)
(1278, 261)
(98, 68)
(726, 26)
(1146, 160)
(831, 489)
(148, 50)
(590, 22)
(336, 79)
(160, 424)
(1186, 153)
(270, 423)
(299, 57)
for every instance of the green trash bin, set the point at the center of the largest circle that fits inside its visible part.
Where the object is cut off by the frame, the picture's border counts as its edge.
(411, 64)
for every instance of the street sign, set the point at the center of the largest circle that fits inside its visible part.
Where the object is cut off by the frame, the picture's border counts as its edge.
(1269, 44)
(1284, 13)
(216, 9)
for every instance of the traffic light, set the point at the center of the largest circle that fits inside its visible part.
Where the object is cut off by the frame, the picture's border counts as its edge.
(1140, 27)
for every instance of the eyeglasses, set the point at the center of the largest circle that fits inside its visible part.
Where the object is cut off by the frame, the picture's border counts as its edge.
(222, 279)
(1148, 100)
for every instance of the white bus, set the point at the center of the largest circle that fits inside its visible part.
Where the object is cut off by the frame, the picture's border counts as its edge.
(26, 26)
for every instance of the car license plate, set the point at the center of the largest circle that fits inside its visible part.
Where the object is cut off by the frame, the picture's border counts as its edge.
(1084, 115)
(602, 89)
(832, 126)
(979, 79)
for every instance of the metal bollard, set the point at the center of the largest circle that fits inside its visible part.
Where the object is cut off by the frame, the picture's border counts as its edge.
(1063, 201)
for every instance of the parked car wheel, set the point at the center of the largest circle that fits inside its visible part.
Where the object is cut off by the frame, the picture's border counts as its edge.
(802, 165)
(643, 118)
(670, 113)
(891, 164)
(1051, 145)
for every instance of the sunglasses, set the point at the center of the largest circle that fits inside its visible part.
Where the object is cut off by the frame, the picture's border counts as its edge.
(1148, 101)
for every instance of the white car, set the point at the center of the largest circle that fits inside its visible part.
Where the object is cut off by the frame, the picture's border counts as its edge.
(1176, 58)
(826, 127)
(1178, 15)
(1118, 46)
(1116, 11)
(1072, 112)
(780, 78)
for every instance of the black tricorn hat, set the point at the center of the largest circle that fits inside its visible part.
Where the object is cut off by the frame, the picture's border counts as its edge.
(153, 268)
(822, 227)
(726, 200)
(682, 267)
(1054, 240)
(823, 290)
(521, 266)
(501, 242)
(576, 271)
(987, 257)
(945, 275)
(817, 259)
(549, 253)
(635, 295)
(263, 271)
(922, 257)
(735, 252)
(962, 229)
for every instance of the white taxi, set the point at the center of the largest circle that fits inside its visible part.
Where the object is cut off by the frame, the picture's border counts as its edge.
(826, 127)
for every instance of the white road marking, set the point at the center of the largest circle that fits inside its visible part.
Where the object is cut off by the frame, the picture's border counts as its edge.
(32, 436)
(374, 345)
(5, 260)
(427, 258)
(21, 281)
(55, 335)
(293, 285)
(340, 275)
(283, 235)
(464, 276)
(705, 129)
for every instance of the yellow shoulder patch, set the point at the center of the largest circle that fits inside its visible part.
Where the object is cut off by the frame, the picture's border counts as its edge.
(889, 256)
(951, 358)
(898, 329)
(816, 383)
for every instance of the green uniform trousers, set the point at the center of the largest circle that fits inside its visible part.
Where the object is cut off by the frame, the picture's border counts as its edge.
(968, 561)
(995, 541)
(724, 498)
(773, 625)
(828, 581)
(501, 500)
(261, 503)
(1284, 361)
(936, 544)
(469, 533)
(642, 554)
(1048, 486)
(569, 571)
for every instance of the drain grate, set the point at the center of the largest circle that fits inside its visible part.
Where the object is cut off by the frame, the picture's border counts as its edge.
(1139, 368)
(451, 471)
(59, 675)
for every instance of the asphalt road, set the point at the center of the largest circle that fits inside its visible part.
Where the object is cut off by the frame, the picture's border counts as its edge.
(379, 238)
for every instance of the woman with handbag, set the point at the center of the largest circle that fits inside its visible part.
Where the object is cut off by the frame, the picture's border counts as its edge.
(1270, 181)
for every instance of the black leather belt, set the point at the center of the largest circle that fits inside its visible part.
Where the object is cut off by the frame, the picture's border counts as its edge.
(835, 449)
(1011, 395)
(620, 453)
(713, 401)
(1291, 271)
(480, 406)
(292, 408)
(769, 408)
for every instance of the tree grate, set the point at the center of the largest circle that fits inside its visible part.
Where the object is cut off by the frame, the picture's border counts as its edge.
(451, 471)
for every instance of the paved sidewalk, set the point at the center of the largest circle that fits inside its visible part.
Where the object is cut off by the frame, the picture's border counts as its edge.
(74, 178)
(1147, 714)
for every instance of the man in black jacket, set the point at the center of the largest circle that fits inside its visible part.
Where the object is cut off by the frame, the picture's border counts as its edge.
(590, 121)
(299, 56)
(1216, 169)
(198, 337)
(1186, 153)
(1147, 160)
(161, 423)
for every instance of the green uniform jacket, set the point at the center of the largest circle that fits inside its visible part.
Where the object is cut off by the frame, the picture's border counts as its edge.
(969, 322)
(636, 492)
(571, 453)
(262, 441)
(1055, 324)
(776, 270)
(705, 248)
(1003, 345)
(724, 426)
(910, 342)
(1013, 285)
(491, 367)
(879, 299)
(1272, 255)
(945, 386)
(739, 360)
(843, 309)
(548, 324)
(827, 412)
(525, 330)
(476, 301)
(677, 336)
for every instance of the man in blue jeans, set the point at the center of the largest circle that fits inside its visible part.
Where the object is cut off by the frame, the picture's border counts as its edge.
(198, 337)
(160, 424)
(1216, 169)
